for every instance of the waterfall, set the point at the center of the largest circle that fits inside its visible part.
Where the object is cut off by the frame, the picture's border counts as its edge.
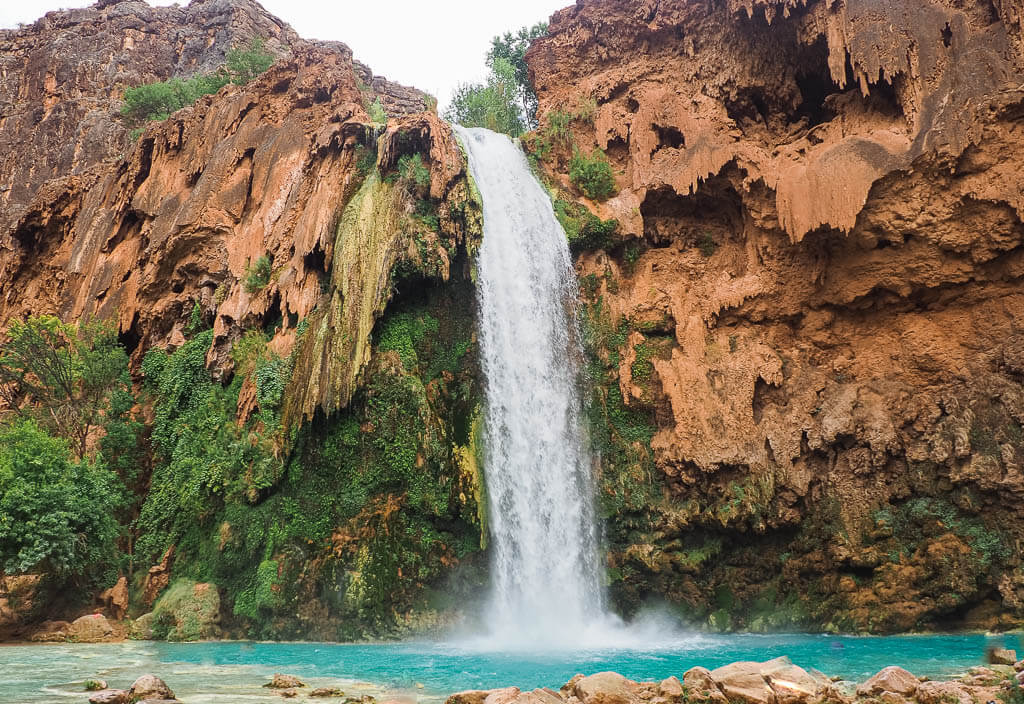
(546, 578)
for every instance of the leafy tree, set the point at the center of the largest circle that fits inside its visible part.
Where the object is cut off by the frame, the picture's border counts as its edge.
(511, 48)
(245, 64)
(64, 377)
(494, 104)
(56, 516)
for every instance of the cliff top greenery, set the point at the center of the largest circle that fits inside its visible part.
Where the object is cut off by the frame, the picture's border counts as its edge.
(157, 101)
(505, 101)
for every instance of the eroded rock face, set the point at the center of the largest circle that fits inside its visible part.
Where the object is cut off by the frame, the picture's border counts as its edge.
(817, 298)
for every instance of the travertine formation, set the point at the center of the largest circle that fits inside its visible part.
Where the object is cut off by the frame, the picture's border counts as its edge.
(820, 209)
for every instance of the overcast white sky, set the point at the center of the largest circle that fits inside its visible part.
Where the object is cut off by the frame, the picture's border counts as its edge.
(430, 44)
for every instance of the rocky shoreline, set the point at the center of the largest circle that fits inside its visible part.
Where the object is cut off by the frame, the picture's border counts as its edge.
(775, 681)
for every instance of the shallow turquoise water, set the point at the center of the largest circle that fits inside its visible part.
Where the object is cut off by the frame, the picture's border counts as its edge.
(233, 671)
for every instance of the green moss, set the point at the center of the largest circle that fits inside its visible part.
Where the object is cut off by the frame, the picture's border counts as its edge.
(187, 611)
(584, 230)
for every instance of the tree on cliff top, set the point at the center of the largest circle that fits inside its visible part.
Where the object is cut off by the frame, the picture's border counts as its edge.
(512, 47)
(505, 102)
(156, 101)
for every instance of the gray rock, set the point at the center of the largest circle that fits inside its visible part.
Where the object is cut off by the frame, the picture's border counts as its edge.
(150, 687)
(280, 681)
(110, 696)
(1001, 656)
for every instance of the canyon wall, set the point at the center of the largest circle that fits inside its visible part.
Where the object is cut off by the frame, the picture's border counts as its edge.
(322, 482)
(813, 309)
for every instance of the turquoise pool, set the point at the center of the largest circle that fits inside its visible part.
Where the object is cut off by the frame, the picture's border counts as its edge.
(233, 671)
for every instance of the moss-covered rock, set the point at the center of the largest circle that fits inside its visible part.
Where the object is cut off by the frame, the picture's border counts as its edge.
(187, 611)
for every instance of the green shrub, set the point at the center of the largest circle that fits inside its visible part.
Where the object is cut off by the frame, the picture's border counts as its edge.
(245, 64)
(706, 244)
(156, 101)
(592, 175)
(376, 112)
(257, 274)
(413, 172)
(248, 351)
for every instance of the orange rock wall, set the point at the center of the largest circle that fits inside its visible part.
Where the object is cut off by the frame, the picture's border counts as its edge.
(849, 343)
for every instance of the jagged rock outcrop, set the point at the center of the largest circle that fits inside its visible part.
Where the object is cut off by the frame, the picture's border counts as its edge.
(821, 276)
(261, 170)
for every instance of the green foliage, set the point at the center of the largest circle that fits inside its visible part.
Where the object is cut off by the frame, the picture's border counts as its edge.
(511, 49)
(246, 63)
(93, 685)
(1012, 693)
(706, 244)
(156, 101)
(584, 230)
(370, 507)
(62, 376)
(413, 172)
(621, 435)
(56, 515)
(376, 112)
(493, 104)
(592, 175)
(366, 160)
(257, 274)
(203, 457)
(195, 321)
(924, 517)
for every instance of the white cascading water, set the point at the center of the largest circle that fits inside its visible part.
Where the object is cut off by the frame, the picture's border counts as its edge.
(546, 579)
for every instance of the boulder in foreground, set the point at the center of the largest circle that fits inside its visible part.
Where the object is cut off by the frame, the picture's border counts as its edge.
(889, 679)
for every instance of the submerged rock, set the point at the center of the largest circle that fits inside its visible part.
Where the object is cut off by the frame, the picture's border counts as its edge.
(110, 696)
(889, 679)
(279, 681)
(327, 692)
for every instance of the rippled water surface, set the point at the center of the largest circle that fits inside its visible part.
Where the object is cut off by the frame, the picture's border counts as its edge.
(233, 671)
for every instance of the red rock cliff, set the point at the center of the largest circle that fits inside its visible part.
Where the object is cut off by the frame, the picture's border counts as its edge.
(821, 275)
